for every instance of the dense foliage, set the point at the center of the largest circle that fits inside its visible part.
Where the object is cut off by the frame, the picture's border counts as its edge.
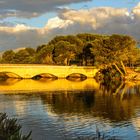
(81, 49)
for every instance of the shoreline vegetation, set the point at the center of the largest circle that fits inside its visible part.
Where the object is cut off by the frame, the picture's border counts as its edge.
(10, 129)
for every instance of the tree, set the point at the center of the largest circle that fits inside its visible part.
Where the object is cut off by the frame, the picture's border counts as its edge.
(45, 54)
(64, 52)
(8, 56)
(81, 49)
(88, 57)
(71, 39)
(112, 48)
(31, 51)
(40, 47)
(24, 56)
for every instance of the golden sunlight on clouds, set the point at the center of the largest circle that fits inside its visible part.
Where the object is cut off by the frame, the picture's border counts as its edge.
(57, 23)
(17, 28)
(136, 9)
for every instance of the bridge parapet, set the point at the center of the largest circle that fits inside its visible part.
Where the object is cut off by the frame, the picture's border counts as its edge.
(29, 71)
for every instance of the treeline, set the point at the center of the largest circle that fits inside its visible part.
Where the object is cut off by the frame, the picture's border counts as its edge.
(81, 49)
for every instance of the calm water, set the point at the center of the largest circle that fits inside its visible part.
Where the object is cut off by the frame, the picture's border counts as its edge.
(66, 110)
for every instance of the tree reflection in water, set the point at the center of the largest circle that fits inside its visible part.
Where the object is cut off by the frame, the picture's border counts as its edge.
(69, 102)
(106, 103)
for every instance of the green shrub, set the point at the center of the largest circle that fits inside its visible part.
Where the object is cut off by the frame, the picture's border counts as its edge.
(10, 129)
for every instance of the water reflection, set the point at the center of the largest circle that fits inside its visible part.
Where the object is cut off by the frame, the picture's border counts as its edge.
(9, 81)
(63, 109)
(79, 102)
(30, 85)
(89, 103)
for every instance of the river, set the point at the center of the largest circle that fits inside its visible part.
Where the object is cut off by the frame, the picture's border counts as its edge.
(71, 110)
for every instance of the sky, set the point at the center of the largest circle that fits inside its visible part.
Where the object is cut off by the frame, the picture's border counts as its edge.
(29, 23)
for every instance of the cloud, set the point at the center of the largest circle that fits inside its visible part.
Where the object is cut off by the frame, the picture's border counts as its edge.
(20, 36)
(6, 24)
(106, 20)
(96, 17)
(17, 28)
(31, 8)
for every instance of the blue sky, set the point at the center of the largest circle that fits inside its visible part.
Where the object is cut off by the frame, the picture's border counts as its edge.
(29, 23)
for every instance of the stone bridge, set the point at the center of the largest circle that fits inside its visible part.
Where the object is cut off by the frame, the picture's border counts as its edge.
(31, 70)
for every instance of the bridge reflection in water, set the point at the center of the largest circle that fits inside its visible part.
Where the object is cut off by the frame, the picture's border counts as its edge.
(46, 85)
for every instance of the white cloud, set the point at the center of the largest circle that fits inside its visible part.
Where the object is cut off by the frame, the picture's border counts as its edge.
(105, 20)
(17, 28)
(58, 23)
(96, 17)
(136, 9)
(20, 36)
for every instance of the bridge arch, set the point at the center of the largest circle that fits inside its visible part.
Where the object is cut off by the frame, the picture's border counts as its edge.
(9, 74)
(44, 75)
(76, 77)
